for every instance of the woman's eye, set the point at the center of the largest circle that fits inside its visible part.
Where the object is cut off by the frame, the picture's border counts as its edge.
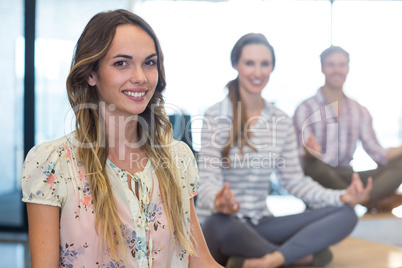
(120, 63)
(249, 63)
(265, 63)
(150, 62)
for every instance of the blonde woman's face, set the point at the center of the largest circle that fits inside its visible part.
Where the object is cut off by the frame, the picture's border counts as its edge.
(254, 68)
(128, 74)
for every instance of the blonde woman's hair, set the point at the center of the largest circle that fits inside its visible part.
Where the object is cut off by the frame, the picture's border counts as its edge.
(239, 134)
(91, 47)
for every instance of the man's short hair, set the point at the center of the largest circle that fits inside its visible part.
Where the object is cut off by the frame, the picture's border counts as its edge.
(331, 50)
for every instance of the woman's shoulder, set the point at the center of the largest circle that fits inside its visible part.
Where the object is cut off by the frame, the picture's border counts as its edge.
(187, 167)
(45, 148)
(274, 110)
(181, 149)
(43, 172)
(56, 147)
(183, 156)
(222, 107)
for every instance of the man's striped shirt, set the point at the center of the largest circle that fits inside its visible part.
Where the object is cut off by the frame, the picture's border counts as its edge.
(337, 132)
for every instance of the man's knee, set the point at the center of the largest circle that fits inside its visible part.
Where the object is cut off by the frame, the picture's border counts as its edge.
(395, 163)
(315, 168)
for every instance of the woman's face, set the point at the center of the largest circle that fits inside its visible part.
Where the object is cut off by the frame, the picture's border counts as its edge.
(128, 74)
(254, 68)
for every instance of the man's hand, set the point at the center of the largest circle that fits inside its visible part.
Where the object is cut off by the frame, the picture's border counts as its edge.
(225, 201)
(312, 148)
(356, 193)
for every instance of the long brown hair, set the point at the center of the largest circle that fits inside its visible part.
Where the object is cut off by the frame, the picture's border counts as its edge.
(91, 47)
(238, 132)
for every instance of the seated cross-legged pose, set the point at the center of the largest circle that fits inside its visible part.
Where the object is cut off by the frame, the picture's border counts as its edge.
(328, 127)
(244, 139)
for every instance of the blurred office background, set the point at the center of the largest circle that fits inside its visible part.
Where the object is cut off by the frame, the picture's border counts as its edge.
(37, 40)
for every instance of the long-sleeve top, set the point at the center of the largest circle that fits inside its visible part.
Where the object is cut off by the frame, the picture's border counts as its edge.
(249, 174)
(337, 131)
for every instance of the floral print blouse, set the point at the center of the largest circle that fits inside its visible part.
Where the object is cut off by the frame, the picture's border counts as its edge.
(53, 175)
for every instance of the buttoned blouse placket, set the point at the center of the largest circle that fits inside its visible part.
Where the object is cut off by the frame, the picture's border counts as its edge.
(139, 206)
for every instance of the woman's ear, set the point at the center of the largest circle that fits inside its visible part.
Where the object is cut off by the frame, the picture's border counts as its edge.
(92, 79)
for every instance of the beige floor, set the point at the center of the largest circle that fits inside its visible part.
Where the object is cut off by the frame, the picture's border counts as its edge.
(353, 252)
(359, 253)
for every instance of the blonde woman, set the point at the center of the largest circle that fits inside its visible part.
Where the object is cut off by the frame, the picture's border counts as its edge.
(117, 192)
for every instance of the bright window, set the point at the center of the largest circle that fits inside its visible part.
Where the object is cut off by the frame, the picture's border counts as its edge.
(11, 103)
(197, 38)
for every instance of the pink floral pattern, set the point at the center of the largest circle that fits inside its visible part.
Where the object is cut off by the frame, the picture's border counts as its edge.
(53, 175)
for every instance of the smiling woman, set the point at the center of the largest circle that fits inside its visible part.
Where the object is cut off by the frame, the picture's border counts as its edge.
(128, 73)
(242, 133)
(254, 67)
(118, 190)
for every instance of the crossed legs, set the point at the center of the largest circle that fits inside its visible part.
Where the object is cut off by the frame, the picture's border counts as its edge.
(294, 237)
(386, 179)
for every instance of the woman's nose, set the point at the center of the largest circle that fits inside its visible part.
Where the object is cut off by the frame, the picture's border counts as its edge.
(138, 76)
(257, 71)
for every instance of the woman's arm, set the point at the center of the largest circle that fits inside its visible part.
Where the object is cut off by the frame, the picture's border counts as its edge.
(44, 236)
(209, 162)
(356, 193)
(292, 177)
(225, 201)
(203, 258)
